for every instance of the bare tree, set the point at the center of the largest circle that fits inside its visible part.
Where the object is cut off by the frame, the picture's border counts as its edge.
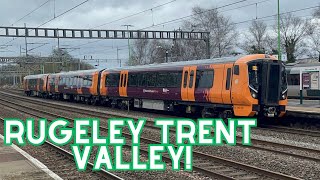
(292, 32)
(139, 52)
(222, 39)
(255, 41)
(314, 44)
(149, 51)
(316, 13)
(223, 35)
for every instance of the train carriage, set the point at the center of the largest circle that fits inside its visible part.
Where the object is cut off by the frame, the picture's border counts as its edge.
(310, 80)
(36, 84)
(77, 85)
(223, 87)
(253, 85)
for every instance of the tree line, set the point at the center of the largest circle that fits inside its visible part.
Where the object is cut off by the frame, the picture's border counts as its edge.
(298, 37)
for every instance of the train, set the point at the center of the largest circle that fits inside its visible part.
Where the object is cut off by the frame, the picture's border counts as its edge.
(310, 86)
(238, 86)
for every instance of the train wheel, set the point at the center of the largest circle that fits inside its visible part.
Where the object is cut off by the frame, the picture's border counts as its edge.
(114, 104)
(124, 105)
(225, 115)
(87, 101)
(95, 101)
(205, 113)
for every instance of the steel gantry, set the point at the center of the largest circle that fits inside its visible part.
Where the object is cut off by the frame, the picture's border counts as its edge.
(31, 32)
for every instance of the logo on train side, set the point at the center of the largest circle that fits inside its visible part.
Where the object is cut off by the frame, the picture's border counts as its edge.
(165, 90)
(149, 91)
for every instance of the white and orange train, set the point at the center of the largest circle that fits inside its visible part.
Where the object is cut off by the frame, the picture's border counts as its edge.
(247, 86)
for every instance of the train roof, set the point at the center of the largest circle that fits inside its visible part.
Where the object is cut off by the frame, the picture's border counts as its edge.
(231, 59)
(302, 65)
(180, 63)
(295, 68)
(37, 76)
(76, 72)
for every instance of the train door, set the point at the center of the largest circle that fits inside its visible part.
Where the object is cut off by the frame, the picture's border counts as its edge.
(123, 83)
(236, 85)
(227, 83)
(26, 87)
(38, 84)
(188, 83)
(46, 82)
(57, 82)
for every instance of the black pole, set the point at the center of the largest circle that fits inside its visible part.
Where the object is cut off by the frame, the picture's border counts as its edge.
(167, 55)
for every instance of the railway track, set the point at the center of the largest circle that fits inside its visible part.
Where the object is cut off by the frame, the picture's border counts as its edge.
(278, 128)
(256, 143)
(284, 129)
(212, 166)
(61, 162)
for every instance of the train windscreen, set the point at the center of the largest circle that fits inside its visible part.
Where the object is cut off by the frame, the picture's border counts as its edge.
(273, 83)
(267, 81)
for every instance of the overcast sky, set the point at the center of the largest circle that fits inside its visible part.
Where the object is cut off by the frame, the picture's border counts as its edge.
(97, 12)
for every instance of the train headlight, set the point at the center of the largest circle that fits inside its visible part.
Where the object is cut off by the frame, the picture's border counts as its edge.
(254, 95)
(284, 96)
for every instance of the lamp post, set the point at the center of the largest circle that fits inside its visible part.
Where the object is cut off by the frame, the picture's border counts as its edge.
(279, 39)
(128, 25)
(166, 51)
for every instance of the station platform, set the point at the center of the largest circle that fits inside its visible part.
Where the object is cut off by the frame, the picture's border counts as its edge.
(309, 108)
(17, 164)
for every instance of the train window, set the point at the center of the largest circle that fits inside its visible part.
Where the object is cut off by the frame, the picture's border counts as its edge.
(132, 80)
(72, 81)
(41, 82)
(85, 82)
(107, 81)
(50, 81)
(185, 79)
(191, 79)
(173, 79)
(89, 80)
(61, 81)
(112, 80)
(121, 80)
(125, 80)
(143, 80)
(161, 80)
(293, 79)
(138, 79)
(151, 79)
(80, 81)
(32, 82)
(205, 78)
(178, 78)
(66, 81)
(236, 70)
(75, 81)
(228, 79)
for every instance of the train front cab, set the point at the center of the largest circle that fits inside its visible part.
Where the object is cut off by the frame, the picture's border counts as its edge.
(265, 92)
